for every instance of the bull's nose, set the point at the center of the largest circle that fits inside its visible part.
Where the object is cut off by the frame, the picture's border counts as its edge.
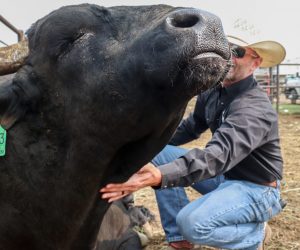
(183, 19)
(187, 18)
(203, 29)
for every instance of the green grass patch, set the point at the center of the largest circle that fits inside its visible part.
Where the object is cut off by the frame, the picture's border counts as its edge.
(289, 109)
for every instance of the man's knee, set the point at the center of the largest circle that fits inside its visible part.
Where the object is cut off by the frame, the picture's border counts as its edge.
(192, 230)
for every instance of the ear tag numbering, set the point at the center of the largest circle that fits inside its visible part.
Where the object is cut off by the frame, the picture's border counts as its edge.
(2, 141)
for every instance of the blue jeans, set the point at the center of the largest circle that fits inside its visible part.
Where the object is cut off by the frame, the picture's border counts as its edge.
(230, 214)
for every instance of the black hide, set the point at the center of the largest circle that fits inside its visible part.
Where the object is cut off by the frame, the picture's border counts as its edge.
(116, 230)
(100, 94)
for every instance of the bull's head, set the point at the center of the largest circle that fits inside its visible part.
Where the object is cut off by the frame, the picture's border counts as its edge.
(158, 51)
(122, 71)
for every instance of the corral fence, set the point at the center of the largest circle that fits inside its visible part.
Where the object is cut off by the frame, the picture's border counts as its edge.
(274, 82)
(19, 33)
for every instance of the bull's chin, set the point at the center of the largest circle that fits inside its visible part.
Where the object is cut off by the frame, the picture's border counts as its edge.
(206, 71)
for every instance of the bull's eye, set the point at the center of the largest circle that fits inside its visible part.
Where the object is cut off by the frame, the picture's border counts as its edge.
(76, 37)
(70, 42)
(184, 21)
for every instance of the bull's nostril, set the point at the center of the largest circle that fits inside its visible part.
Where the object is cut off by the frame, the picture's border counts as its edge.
(183, 21)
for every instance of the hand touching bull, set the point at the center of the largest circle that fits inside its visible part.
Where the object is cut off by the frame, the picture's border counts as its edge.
(148, 175)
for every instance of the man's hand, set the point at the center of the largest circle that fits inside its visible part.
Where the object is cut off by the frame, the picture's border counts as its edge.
(148, 175)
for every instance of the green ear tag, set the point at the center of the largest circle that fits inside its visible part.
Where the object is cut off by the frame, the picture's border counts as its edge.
(2, 141)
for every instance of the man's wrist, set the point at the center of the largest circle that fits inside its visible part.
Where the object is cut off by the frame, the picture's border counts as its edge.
(158, 177)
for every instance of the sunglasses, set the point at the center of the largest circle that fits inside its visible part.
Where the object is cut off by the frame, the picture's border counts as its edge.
(240, 52)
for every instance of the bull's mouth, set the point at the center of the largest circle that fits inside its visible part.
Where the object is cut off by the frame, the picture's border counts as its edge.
(207, 55)
(209, 69)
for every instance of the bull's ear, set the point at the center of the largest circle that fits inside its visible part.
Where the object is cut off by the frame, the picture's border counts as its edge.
(17, 96)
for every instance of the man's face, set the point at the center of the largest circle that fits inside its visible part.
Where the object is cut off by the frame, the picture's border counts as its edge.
(242, 66)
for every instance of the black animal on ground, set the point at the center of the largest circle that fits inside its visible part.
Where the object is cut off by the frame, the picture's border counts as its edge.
(120, 226)
(100, 93)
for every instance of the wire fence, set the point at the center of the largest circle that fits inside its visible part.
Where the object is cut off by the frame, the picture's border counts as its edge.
(274, 82)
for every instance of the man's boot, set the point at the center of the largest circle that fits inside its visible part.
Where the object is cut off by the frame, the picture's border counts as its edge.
(180, 245)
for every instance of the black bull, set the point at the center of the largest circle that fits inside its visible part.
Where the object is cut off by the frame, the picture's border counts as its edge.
(100, 93)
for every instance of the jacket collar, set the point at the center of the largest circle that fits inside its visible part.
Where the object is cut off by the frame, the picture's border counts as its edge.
(241, 86)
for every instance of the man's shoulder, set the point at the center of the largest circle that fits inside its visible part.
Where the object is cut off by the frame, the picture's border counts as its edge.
(253, 93)
(254, 98)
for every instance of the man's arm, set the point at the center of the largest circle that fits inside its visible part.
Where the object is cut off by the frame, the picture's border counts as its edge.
(148, 175)
(244, 130)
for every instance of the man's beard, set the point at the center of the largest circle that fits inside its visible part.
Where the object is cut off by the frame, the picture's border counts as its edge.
(230, 77)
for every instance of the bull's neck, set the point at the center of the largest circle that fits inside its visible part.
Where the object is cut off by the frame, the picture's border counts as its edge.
(67, 172)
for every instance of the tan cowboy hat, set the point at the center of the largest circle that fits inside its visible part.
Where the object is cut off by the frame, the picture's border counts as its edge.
(271, 52)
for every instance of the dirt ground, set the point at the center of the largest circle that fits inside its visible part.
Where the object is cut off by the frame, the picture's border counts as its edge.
(285, 226)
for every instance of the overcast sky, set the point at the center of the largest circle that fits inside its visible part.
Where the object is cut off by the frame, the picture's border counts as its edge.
(253, 20)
